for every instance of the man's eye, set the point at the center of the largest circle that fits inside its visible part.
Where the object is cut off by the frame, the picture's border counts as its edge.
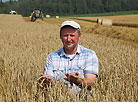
(65, 35)
(72, 35)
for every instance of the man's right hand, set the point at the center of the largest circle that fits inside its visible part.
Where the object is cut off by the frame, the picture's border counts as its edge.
(47, 78)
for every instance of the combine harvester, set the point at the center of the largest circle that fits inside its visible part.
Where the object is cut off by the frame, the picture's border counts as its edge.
(36, 14)
(13, 12)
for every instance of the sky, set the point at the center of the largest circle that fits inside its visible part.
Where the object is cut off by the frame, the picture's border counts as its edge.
(8, 0)
(4, 0)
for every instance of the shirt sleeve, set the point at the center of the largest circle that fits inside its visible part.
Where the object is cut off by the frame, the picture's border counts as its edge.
(49, 67)
(92, 64)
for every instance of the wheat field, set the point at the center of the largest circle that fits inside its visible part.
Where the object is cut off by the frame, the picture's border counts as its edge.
(24, 46)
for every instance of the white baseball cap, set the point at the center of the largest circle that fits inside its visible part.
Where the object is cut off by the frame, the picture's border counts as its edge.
(70, 23)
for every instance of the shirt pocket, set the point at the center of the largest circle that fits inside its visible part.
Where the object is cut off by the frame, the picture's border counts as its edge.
(58, 73)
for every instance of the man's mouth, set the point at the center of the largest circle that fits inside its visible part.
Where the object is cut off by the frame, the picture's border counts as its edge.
(69, 43)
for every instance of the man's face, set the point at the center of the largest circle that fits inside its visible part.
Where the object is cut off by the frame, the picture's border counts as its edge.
(70, 37)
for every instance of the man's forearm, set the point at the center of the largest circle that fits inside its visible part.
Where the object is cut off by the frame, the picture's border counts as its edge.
(83, 83)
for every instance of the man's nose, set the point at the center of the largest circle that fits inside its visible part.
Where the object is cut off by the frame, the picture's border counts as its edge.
(69, 38)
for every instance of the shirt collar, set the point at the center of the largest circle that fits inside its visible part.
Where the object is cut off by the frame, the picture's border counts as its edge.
(78, 51)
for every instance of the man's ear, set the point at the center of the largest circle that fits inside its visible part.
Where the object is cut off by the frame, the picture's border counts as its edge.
(80, 36)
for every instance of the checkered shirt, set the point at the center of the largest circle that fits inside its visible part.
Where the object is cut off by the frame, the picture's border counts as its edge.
(84, 61)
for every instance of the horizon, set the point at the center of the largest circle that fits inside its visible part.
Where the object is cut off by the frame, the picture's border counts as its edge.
(8, 0)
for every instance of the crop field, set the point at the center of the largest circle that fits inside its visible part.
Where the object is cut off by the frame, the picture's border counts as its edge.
(24, 47)
(129, 19)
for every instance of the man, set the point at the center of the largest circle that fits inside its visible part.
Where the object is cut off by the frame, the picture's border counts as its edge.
(76, 65)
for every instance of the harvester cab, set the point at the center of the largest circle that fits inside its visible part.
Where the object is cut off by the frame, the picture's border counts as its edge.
(36, 14)
(13, 12)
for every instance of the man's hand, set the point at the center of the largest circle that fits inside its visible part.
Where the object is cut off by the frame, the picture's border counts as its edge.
(81, 82)
(47, 78)
(72, 77)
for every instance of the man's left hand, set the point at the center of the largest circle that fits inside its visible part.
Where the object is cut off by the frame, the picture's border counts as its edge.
(72, 77)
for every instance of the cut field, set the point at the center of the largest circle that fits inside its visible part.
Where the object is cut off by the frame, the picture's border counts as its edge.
(124, 27)
(24, 46)
(125, 19)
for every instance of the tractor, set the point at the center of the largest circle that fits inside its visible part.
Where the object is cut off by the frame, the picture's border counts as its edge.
(36, 14)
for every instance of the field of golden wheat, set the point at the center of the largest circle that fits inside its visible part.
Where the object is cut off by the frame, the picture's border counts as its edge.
(24, 46)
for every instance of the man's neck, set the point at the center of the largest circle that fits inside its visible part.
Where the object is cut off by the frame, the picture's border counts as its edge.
(70, 51)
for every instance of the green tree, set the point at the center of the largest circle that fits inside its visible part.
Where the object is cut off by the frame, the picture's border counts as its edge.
(95, 6)
(67, 7)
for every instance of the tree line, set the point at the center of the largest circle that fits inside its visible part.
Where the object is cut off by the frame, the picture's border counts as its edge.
(68, 7)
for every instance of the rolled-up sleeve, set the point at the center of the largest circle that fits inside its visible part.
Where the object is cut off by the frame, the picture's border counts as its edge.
(49, 67)
(92, 64)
